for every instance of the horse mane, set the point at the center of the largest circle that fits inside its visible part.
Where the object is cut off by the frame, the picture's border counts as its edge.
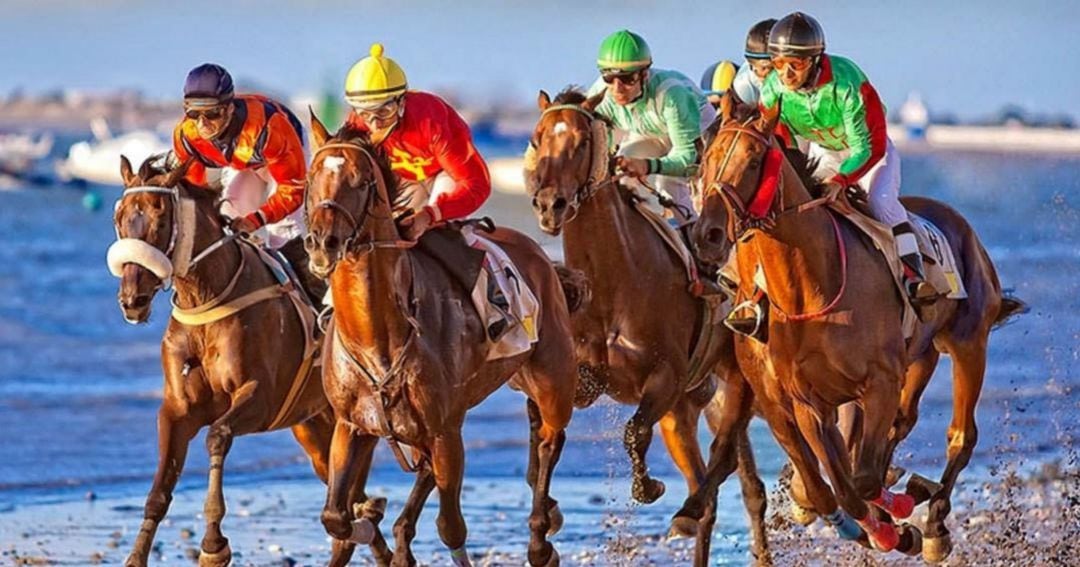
(804, 167)
(571, 94)
(352, 134)
(158, 164)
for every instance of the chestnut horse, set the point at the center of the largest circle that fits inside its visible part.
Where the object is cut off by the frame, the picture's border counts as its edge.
(408, 357)
(635, 337)
(827, 347)
(239, 374)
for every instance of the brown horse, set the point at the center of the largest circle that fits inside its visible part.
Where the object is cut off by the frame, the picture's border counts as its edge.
(827, 347)
(408, 356)
(635, 337)
(237, 374)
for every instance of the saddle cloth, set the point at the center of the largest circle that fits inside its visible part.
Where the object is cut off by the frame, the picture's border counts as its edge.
(523, 308)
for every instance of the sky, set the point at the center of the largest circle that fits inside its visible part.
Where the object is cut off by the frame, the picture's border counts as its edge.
(967, 58)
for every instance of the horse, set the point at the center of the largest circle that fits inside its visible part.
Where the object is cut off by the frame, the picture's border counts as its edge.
(235, 365)
(635, 338)
(408, 357)
(827, 347)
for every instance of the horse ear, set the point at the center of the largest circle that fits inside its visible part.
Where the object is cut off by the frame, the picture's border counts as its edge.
(126, 172)
(769, 118)
(727, 107)
(592, 102)
(172, 179)
(319, 134)
(543, 101)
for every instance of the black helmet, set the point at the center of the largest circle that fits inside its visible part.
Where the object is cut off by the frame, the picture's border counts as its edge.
(757, 41)
(209, 81)
(796, 35)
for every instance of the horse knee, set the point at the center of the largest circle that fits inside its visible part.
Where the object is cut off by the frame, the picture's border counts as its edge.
(337, 523)
(404, 530)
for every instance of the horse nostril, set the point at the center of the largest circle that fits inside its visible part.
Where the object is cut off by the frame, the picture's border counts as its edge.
(309, 243)
(535, 203)
(331, 242)
(559, 204)
(715, 236)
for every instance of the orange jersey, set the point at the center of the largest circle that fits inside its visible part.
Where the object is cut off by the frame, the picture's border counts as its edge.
(262, 133)
(430, 138)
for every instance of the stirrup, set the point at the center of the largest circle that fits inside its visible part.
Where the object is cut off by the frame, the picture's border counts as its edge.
(753, 326)
(920, 292)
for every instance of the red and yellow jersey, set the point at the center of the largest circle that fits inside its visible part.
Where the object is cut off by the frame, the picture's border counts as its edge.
(431, 138)
(262, 133)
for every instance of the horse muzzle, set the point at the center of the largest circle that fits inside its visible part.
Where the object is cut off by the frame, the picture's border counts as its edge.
(711, 242)
(551, 211)
(134, 299)
(323, 254)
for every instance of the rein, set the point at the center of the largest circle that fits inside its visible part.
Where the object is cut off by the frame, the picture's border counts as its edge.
(760, 214)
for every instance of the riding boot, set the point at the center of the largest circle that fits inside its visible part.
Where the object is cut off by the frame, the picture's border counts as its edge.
(708, 274)
(919, 290)
(498, 323)
(294, 252)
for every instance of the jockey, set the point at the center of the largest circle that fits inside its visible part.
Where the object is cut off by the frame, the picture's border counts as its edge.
(747, 82)
(441, 174)
(249, 144)
(827, 101)
(717, 79)
(663, 114)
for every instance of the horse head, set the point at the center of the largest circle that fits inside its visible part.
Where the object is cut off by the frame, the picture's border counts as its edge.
(147, 223)
(571, 159)
(736, 173)
(348, 188)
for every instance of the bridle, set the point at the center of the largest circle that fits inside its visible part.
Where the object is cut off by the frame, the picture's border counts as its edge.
(179, 250)
(599, 173)
(760, 213)
(378, 182)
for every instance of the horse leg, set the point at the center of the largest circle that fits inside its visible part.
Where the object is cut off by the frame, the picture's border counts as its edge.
(547, 424)
(315, 436)
(658, 397)
(405, 526)
(828, 445)
(215, 551)
(679, 430)
(969, 366)
(718, 414)
(448, 463)
(916, 378)
(699, 509)
(174, 436)
(350, 459)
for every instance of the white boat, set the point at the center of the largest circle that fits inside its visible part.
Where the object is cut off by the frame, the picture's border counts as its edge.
(98, 161)
(19, 152)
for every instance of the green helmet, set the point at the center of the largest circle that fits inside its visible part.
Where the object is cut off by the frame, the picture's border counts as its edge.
(624, 50)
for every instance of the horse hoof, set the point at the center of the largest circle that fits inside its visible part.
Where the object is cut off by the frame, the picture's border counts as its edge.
(555, 520)
(683, 526)
(648, 490)
(803, 516)
(363, 531)
(911, 541)
(219, 558)
(936, 549)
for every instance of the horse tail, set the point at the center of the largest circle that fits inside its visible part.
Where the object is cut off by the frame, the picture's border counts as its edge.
(1011, 306)
(575, 287)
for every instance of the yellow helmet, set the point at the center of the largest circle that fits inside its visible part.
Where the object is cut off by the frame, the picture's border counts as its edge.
(374, 79)
(718, 77)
